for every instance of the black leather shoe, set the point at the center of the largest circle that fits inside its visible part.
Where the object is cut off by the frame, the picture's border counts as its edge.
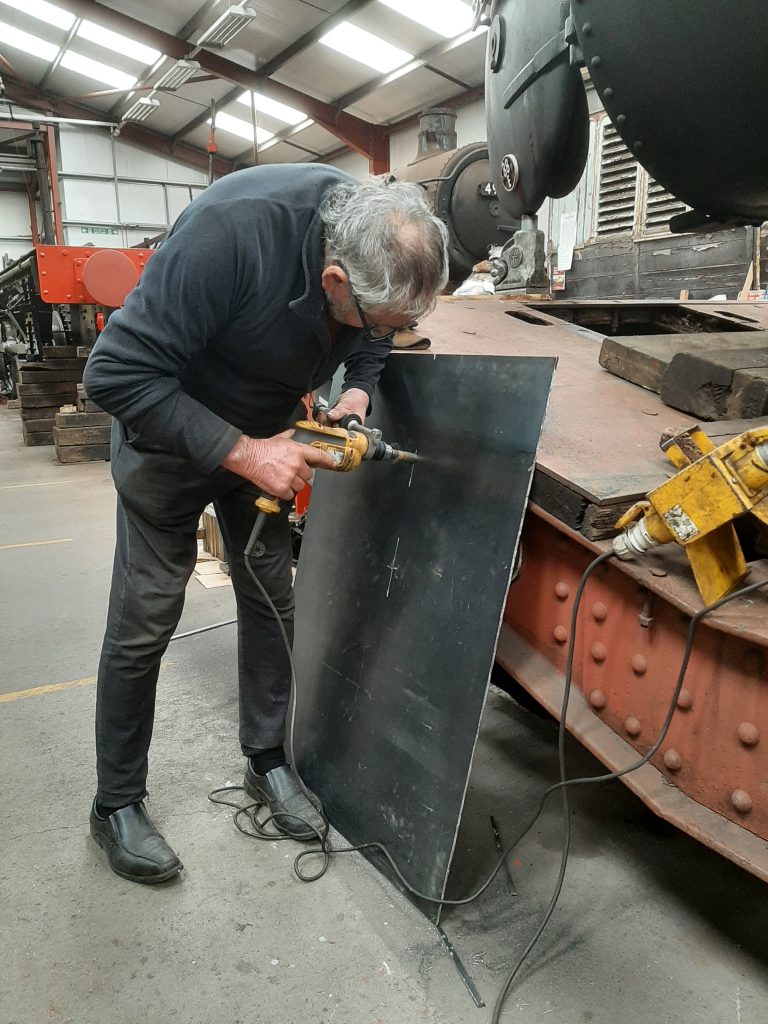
(134, 848)
(281, 791)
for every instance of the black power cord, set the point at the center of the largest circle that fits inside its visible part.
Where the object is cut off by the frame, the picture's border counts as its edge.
(327, 850)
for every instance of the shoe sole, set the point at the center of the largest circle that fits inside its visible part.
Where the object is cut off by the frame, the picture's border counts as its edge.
(141, 879)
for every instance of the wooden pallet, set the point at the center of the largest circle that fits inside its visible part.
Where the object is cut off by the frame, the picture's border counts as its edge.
(82, 436)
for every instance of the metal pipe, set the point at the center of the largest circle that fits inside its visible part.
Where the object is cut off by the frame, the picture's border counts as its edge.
(43, 187)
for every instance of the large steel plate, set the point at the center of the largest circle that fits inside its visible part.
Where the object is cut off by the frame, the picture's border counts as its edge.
(400, 590)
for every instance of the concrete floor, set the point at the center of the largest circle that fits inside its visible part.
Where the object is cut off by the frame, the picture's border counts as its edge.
(651, 927)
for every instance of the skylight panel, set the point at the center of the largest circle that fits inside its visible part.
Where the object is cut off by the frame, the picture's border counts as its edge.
(280, 111)
(27, 43)
(96, 70)
(365, 47)
(243, 129)
(120, 44)
(43, 11)
(448, 18)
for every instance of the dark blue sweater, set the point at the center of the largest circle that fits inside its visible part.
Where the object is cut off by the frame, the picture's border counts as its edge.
(226, 329)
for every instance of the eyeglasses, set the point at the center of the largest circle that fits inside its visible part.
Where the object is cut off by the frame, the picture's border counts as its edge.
(372, 332)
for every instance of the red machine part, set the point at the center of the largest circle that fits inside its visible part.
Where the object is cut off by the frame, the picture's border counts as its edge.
(86, 276)
(710, 774)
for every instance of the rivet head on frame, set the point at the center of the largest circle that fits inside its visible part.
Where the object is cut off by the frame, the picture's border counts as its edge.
(599, 611)
(599, 652)
(632, 726)
(639, 664)
(672, 760)
(685, 699)
(596, 62)
(562, 590)
(621, 120)
(741, 801)
(598, 699)
(749, 734)
(560, 633)
(608, 93)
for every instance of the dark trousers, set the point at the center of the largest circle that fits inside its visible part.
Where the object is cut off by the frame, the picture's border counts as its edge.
(160, 501)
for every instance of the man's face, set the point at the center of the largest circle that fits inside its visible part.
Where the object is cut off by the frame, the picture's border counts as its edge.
(345, 309)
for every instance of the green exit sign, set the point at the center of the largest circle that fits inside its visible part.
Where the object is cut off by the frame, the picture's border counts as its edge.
(96, 230)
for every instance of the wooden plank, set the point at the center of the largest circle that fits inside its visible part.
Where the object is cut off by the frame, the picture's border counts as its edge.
(81, 435)
(83, 419)
(37, 438)
(703, 384)
(59, 351)
(67, 364)
(54, 388)
(643, 359)
(82, 453)
(46, 400)
(42, 375)
(35, 426)
(38, 412)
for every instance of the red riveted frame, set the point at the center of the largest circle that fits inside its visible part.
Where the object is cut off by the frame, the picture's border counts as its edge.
(711, 775)
(60, 270)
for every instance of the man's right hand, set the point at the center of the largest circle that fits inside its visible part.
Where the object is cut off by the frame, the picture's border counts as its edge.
(277, 465)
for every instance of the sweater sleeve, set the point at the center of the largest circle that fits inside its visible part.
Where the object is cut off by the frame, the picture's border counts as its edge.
(187, 294)
(363, 367)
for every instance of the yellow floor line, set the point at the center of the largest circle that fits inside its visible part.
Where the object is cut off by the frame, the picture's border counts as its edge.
(35, 543)
(42, 483)
(37, 691)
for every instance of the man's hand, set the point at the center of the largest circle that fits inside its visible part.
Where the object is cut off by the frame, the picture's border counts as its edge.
(277, 465)
(350, 403)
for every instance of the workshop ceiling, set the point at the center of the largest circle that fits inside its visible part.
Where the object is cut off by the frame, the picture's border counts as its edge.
(322, 72)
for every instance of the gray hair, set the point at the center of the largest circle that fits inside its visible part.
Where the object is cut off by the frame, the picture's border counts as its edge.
(392, 247)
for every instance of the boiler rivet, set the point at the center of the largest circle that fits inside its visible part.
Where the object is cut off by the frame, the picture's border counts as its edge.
(632, 726)
(742, 801)
(562, 590)
(599, 611)
(621, 119)
(685, 700)
(596, 62)
(587, 28)
(608, 93)
(672, 760)
(748, 734)
(598, 699)
(639, 664)
(598, 652)
(561, 634)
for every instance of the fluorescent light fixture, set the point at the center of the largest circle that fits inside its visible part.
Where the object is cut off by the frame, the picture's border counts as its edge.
(26, 43)
(176, 76)
(280, 111)
(120, 44)
(43, 11)
(141, 109)
(446, 17)
(243, 129)
(96, 70)
(229, 25)
(365, 47)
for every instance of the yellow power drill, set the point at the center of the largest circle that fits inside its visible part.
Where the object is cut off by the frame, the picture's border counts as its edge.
(349, 444)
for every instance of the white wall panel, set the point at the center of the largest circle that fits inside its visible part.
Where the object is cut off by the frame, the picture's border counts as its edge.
(85, 150)
(133, 162)
(179, 198)
(14, 216)
(470, 123)
(141, 203)
(90, 201)
(352, 163)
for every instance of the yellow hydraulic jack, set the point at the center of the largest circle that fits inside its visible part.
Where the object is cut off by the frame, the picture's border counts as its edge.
(698, 505)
